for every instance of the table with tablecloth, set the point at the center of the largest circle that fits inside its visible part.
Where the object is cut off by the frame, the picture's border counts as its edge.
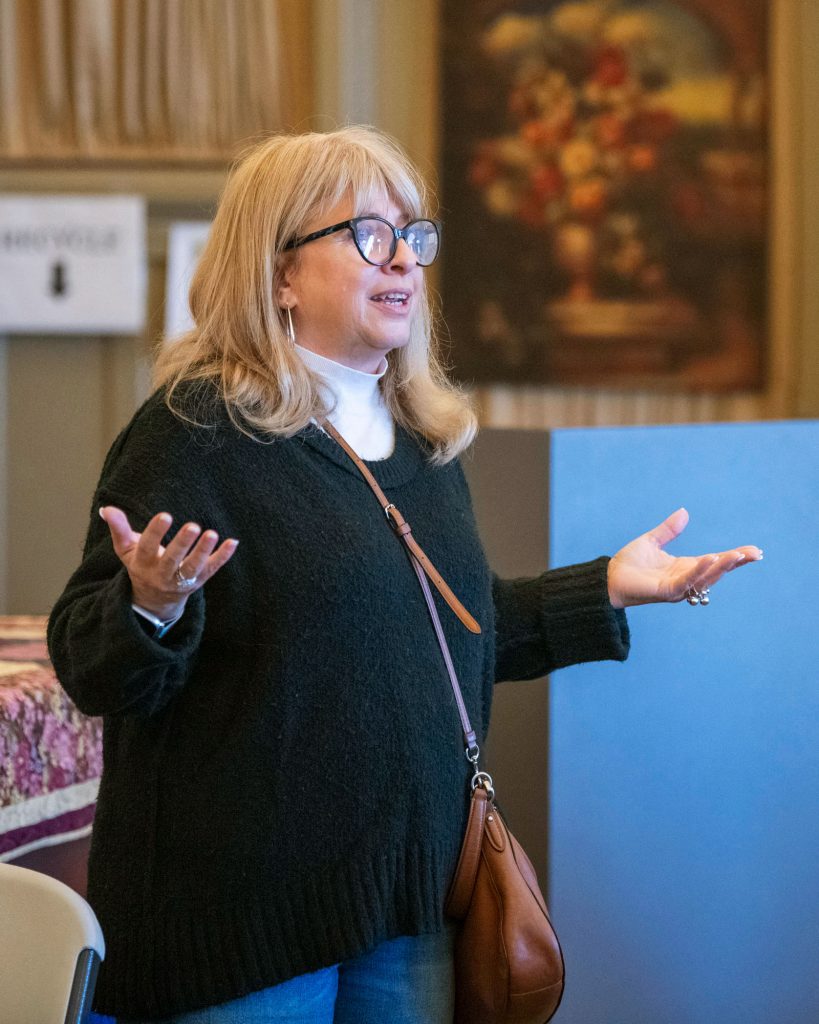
(50, 753)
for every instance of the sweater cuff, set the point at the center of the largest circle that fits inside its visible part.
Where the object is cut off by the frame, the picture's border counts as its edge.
(126, 634)
(562, 617)
(577, 612)
(106, 661)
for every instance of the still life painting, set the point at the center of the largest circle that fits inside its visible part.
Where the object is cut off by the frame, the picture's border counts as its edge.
(605, 196)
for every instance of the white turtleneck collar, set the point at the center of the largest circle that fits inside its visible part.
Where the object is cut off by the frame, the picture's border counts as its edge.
(359, 413)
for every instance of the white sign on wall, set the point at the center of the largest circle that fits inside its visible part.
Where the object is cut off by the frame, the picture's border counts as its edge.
(186, 240)
(72, 264)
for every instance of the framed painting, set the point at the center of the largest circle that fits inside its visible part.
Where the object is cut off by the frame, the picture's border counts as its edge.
(605, 192)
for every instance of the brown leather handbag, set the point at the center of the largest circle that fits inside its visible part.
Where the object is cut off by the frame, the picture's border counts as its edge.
(508, 962)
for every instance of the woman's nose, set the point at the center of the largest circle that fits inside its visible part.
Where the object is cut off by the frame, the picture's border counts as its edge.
(404, 259)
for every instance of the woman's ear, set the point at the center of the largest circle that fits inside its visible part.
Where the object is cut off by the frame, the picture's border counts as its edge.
(284, 289)
(285, 297)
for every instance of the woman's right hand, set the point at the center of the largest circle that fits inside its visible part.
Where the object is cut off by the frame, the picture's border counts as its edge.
(152, 568)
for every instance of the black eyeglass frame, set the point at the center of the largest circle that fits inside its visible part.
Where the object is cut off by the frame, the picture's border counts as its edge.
(397, 233)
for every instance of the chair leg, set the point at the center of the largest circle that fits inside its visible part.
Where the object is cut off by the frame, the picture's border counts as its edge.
(82, 988)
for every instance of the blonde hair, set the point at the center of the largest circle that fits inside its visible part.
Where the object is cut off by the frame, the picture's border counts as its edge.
(239, 341)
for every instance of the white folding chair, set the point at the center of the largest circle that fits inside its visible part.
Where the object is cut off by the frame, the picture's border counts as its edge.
(51, 946)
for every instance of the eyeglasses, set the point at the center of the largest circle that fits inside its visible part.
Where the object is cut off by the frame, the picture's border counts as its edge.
(377, 240)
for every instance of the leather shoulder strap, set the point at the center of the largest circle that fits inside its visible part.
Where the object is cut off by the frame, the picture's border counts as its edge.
(423, 569)
(404, 531)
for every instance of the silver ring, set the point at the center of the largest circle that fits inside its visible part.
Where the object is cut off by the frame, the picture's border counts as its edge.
(695, 597)
(183, 582)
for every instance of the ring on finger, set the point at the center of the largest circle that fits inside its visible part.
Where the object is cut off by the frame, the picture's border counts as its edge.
(695, 597)
(183, 582)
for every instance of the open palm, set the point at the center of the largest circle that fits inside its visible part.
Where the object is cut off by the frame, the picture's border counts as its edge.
(153, 567)
(643, 573)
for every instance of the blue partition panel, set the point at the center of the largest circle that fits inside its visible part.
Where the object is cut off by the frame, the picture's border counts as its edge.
(684, 874)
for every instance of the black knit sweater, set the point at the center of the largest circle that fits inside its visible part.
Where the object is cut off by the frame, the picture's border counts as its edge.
(284, 783)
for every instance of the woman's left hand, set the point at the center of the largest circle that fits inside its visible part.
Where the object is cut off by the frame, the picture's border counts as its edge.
(642, 573)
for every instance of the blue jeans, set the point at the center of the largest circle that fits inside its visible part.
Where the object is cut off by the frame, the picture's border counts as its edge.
(403, 981)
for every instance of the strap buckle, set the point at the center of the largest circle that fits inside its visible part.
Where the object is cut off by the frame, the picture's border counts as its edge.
(396, 520)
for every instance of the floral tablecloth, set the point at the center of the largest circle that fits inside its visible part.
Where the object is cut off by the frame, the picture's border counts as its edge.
(50, 754)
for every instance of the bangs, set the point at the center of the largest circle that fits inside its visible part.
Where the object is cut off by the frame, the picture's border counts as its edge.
(367, 195)
(370, 173)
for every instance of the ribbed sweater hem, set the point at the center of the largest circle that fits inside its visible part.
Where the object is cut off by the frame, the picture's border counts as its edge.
(203, 953)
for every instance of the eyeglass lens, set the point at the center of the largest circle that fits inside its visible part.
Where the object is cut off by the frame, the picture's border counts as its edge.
(377, 243)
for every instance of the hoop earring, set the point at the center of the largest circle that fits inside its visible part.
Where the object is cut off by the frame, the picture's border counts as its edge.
(289, 329)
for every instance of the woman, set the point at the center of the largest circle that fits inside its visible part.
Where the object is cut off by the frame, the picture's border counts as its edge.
(284, 790)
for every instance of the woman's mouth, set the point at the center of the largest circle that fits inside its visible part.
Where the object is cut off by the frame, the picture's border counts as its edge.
(395, 299)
